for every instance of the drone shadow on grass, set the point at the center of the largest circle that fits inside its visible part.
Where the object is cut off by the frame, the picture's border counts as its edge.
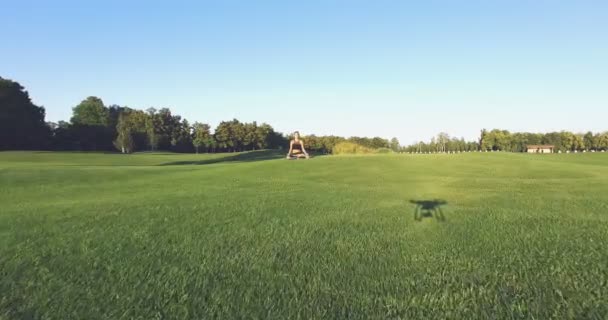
(429, 209)
(249, 156)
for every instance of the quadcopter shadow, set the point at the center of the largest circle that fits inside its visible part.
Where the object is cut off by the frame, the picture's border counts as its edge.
(429, 209)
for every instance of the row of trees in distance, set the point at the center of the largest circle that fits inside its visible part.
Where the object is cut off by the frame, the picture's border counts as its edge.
(563, 141)
(97, 127)
(503, 140)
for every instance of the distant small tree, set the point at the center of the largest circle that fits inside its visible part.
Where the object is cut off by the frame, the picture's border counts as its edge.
(211, 143)
(249, 135)
(395, 144)
(567, 142)
(483, 143)
(578, 142)
(442, 141)
(201, 136)
(263, 134)
(588, 140)
(124, 141)
(602, 141)
(223, 135)
(151, 129)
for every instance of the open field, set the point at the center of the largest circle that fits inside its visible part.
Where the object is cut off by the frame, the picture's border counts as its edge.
(87, 236)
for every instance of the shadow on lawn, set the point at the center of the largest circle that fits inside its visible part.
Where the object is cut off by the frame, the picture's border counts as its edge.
(429, 209)
(236, 157)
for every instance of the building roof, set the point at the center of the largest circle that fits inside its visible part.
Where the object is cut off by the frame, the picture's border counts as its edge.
(540, 146)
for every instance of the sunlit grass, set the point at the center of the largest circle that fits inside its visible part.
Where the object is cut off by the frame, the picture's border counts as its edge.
(146, 236)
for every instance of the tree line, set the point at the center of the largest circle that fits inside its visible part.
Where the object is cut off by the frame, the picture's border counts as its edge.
(503, 140)
(442, 143)
(563, 141)
(97, 127)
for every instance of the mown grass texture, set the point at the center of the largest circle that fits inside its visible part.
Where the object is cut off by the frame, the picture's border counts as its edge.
(144, 236)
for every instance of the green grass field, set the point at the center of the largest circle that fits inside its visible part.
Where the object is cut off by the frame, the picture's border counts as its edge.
(145, 236)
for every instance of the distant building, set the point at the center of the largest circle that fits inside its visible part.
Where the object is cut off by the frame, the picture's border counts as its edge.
(540, 148)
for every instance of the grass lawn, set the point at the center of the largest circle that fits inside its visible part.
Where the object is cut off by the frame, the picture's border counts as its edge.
(145, 236)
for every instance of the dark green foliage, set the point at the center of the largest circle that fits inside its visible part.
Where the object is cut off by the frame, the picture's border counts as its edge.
(231, 136)
(503, 140)
(90, 128)
(201, 136)
(227, 135)
(322, 144)
(22, 123)
(91, 112)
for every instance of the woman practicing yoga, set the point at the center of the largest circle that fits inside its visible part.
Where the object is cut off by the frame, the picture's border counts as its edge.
(296, 148)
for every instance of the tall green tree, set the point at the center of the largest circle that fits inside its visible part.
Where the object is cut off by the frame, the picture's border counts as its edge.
(90, 125)
(201, 136)
(442, 141)
(602, 141)
(578, 142)
(181, 136)
(589, 140)
(238, 134)
(164, 124)
(124, 140)
(483, 143)
(92, 112)
(395, 144)
(378, 142)
(151, 131)
(114, 112)
(554, 139)
(230, 135)
(502, 140)
(138, 121)
(22, 123)
(566, 142)
(263, 134)
(249, 135)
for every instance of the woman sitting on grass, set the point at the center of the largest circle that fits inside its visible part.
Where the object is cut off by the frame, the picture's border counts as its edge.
(296, 148)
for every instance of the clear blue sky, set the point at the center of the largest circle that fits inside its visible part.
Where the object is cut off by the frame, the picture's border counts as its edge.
(389, 68)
